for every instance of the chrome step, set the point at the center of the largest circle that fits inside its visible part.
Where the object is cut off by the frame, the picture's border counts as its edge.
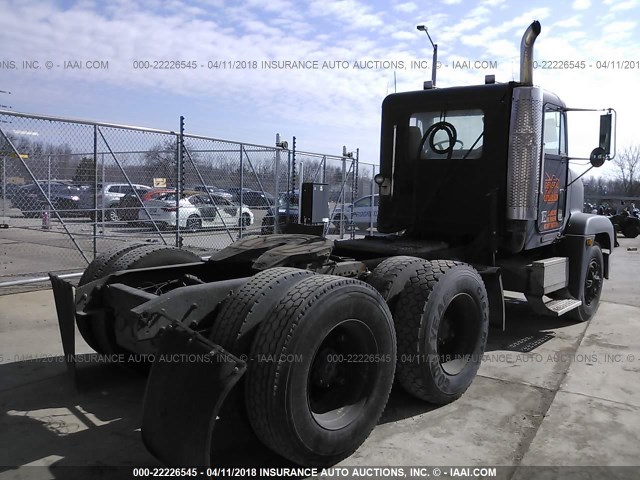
(553, 307)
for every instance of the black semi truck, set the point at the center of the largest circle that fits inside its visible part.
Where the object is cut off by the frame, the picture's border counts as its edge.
(296, 339)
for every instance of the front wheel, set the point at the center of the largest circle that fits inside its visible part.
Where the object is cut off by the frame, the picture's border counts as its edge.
(194, 223)
(591, 288)
(245, 220)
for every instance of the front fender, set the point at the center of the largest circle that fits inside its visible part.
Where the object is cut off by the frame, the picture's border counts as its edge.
(587, 224)
(581, 228)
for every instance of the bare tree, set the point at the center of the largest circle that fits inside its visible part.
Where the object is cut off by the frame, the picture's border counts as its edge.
(628, 170)
(161, 159)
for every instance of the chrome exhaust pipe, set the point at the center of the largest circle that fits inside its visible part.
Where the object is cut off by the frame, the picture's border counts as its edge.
(526, 53)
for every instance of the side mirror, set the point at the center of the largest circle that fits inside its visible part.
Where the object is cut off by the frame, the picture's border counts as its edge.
(384, 184)
(605, 133)
(598, 156)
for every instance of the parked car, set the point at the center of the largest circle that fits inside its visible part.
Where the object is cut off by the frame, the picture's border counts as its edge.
(212, 189)
(287, 212)
(129, 205)
(196, 211)
(10, 189)
(65, 198)
(358, 215)
(252, 198)
(108, 195)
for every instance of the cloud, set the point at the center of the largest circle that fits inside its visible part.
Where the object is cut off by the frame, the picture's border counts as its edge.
(617, 7)
(618, 30)
(572, 22)
(350, 12)
(407, 7)
(581, 4)
(404, 35)
(490, 34)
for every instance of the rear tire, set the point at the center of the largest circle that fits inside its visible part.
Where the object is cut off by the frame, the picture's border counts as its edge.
(241, 315)
(337, 221)
(94, 271)
(112, 215)
(390, 277)
(145, 256)
(235, 326)
(442, 321)
(102, 262)
(321, 370)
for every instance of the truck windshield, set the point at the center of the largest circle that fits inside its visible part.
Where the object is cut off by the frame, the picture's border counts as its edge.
(430, 134)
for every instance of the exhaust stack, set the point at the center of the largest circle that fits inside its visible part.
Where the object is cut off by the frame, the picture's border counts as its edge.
(525, 138)
(526, 53)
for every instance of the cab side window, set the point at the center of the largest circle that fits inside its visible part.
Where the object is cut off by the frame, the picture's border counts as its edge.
(554, 136)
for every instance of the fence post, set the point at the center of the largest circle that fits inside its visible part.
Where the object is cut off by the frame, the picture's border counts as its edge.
(104, 173)
(293, 168)
(300, 192)
(344, 182)
(95, 191)
(179, 159)
(4, 223)
(324, 169)
(292, 177)
(372, 203)
(241, 197)
(354, 190)
(276, 184)
(4, 189)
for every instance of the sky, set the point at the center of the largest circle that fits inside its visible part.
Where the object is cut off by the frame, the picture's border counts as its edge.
(240, 86)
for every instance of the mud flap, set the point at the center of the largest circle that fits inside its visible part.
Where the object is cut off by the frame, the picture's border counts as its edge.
(189, 381)
(65, 309)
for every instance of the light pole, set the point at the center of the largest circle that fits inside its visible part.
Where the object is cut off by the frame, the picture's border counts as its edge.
(423, 28)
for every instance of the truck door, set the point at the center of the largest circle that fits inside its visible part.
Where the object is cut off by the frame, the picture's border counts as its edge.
(551, 205)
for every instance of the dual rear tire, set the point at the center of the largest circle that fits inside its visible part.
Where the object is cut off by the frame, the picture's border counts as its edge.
(321, 352)
(98, 329)
(441, 315)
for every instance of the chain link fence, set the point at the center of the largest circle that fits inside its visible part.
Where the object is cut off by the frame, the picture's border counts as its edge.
(71, 189)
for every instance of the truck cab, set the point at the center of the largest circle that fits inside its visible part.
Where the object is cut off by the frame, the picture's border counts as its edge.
(481, 174)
